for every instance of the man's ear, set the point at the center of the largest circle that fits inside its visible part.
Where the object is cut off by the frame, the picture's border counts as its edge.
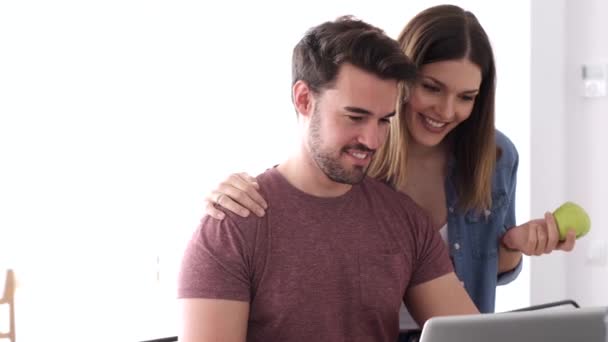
(303, 98)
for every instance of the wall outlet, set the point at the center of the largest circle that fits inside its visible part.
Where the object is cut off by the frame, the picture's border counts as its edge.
(595, 79)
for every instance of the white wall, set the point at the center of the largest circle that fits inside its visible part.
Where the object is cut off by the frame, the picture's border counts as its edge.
(547, 138)
(568, 142)
(587, 161)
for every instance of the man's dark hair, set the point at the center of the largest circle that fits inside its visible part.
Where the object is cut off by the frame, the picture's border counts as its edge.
(324, 48)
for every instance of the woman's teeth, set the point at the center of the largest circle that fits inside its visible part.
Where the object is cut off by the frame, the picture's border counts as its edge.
(434, 123)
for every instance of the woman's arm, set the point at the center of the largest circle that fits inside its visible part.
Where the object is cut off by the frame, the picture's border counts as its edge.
(538, 237)
(508, 259)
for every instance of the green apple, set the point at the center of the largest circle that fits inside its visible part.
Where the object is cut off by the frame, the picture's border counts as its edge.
(572, 216)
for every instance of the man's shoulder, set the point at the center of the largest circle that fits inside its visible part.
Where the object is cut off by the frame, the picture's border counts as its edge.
(398, 211)
(388, 196)
(269, 175)
(269, 182)
(231, 224)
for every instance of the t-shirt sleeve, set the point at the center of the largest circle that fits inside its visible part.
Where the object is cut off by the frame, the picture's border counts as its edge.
(431, 258)
(216, 263)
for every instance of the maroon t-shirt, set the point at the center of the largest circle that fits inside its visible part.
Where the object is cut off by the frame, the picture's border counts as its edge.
(317, 269)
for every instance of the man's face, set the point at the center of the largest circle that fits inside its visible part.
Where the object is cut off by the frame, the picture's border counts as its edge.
(350, 122)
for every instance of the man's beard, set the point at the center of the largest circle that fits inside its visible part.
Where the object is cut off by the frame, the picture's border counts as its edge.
(329, 161)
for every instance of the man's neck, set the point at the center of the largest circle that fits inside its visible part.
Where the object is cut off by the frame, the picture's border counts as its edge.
(303, 173)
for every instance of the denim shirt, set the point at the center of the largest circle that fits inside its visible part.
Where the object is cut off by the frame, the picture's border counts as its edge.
(474, 238)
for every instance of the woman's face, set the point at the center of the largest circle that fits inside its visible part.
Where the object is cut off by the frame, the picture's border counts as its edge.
(442, 98)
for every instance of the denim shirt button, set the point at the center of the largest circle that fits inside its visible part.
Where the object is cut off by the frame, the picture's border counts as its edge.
(451, 209)
(456, 246)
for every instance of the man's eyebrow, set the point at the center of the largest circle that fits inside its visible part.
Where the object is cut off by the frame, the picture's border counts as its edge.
(470, 91)
(358, 110)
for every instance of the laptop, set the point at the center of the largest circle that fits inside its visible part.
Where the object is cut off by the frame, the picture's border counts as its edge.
(571, 325)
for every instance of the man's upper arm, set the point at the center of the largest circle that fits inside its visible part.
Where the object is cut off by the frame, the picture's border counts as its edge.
(213, 320)
(440, 296)
(215, 282)
(217, 262)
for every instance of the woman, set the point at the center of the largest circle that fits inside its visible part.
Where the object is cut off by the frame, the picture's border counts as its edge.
(459, 168)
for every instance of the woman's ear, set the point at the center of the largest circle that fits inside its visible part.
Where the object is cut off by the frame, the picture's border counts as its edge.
(303, 98)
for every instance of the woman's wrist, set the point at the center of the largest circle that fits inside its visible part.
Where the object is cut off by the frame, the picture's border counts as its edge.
(505, 247)
(508, 258)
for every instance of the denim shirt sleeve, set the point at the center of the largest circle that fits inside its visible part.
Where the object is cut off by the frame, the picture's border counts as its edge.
(507, 277)
(509, 164)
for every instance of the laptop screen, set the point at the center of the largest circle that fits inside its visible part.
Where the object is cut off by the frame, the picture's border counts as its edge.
(585, 325)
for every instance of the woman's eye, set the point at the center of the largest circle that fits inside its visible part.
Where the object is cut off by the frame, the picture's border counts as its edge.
(355, 118)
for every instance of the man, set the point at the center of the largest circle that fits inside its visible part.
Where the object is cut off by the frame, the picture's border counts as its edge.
(337, 251)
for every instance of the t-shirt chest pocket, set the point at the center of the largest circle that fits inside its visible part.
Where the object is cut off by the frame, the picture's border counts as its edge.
(382, 279)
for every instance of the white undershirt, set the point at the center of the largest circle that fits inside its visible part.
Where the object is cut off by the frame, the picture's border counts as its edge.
(444, 233)
(406, 322)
